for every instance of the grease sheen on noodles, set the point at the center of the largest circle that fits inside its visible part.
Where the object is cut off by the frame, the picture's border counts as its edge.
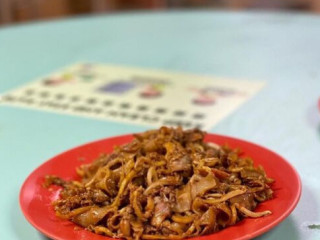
(165, 184)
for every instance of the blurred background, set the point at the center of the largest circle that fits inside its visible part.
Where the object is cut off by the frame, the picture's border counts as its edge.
(17, 11)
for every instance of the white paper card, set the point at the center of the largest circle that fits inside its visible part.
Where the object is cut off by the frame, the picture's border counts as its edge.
(135, 96)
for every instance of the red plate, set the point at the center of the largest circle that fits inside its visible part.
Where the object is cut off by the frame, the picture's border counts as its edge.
(35, 200)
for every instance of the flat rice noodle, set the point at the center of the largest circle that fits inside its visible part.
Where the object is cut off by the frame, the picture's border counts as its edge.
(109, 184)
(251, 214)
(161, 212)
(199, 206)
(132, 147)
(208, 220)
(103, 230)
(181, 164)
(224, 216)
(177, 158)
(234, 215)
(135, 201)
(149, 207)
(183, 199)
(170, 180)
(125, 227)
(246, 200)
(251, 174)
(174, 227)
(225, 197)
(92, 216)
(201, 184)
(137, 228)
(182, 219)
(151, 146)
(114, 221)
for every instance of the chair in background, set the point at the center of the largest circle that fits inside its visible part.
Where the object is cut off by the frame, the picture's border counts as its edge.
(12, 11)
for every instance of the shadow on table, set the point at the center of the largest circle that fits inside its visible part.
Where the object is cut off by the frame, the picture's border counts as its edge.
(286, 230)
(289, 228)
(43, 237)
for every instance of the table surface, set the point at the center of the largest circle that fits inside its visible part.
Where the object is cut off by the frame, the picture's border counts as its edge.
(279, 48)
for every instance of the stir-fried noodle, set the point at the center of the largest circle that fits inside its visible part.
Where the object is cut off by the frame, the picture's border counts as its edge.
(165, 184)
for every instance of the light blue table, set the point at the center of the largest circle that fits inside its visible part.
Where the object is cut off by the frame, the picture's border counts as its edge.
(282, 49)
